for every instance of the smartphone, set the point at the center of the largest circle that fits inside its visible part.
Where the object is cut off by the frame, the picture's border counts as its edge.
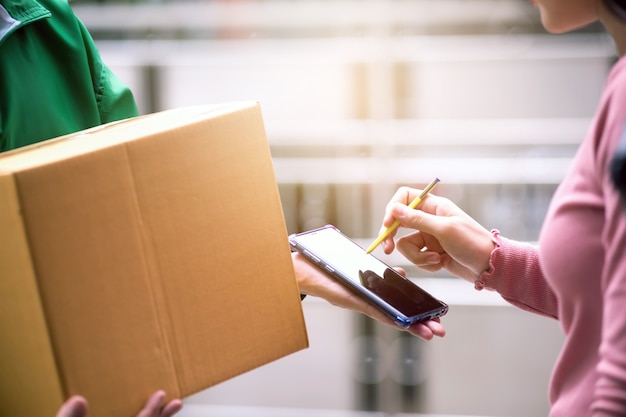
(397, 296)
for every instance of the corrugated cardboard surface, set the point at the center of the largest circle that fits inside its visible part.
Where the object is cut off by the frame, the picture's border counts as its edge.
(153, 255)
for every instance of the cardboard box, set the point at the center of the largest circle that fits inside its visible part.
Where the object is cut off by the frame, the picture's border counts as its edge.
(146, 254)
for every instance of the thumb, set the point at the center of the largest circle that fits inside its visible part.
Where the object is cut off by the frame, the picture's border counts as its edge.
(414, 218)
(76, 406)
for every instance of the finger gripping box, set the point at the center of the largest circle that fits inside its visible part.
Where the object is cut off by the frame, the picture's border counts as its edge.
(141, 255)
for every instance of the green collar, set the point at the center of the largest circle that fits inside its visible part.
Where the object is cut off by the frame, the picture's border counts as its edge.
(17, 13)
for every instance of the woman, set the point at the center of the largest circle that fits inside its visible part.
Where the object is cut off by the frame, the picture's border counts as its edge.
(577, 273)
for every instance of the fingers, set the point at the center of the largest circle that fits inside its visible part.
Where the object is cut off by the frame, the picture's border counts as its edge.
(171, 408)
(403, 195)
(436, 327)
(388, 245)
(76, 406)
(422, 250)
(430, 216)
(154, 406)
(416, 218)
(400, 271)
(427, 330)
(432, 204)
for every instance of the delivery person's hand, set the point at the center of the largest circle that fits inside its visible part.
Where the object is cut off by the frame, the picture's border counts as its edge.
(312, 281)
(76, 406)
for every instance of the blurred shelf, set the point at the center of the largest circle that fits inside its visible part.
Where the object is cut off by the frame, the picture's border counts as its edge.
(522, 170)
(429, 132)
(347, 49)
(303, 17)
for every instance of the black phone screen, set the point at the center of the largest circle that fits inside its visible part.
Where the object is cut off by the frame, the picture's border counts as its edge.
(341, 256)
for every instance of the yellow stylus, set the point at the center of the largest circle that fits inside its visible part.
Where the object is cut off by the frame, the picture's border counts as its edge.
(396, 223)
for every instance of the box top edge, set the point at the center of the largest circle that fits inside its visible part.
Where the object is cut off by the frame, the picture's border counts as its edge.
(126, 130)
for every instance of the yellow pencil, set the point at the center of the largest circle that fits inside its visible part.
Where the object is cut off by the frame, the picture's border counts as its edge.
(396, 223)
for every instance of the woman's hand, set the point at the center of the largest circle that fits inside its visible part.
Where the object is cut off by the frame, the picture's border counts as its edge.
(444, 237)
(77, 406)
(312, 281)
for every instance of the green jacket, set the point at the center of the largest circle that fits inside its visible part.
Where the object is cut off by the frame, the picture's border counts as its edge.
(52, 79)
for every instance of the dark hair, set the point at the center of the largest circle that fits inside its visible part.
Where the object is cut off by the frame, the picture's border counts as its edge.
(617, 167)
(617, 7)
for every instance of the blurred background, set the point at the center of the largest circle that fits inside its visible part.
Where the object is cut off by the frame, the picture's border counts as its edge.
(360, 97)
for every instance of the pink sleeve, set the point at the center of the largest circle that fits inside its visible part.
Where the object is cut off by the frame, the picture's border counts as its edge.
(515, 274)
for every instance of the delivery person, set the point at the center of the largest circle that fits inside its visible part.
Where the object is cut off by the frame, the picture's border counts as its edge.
(53, 82)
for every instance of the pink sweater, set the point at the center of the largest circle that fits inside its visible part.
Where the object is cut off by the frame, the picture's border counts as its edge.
(577, 274)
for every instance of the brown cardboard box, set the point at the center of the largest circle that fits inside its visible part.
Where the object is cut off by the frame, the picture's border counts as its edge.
(145, 254)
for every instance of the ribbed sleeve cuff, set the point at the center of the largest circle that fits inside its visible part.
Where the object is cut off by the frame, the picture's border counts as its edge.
(488, 278)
